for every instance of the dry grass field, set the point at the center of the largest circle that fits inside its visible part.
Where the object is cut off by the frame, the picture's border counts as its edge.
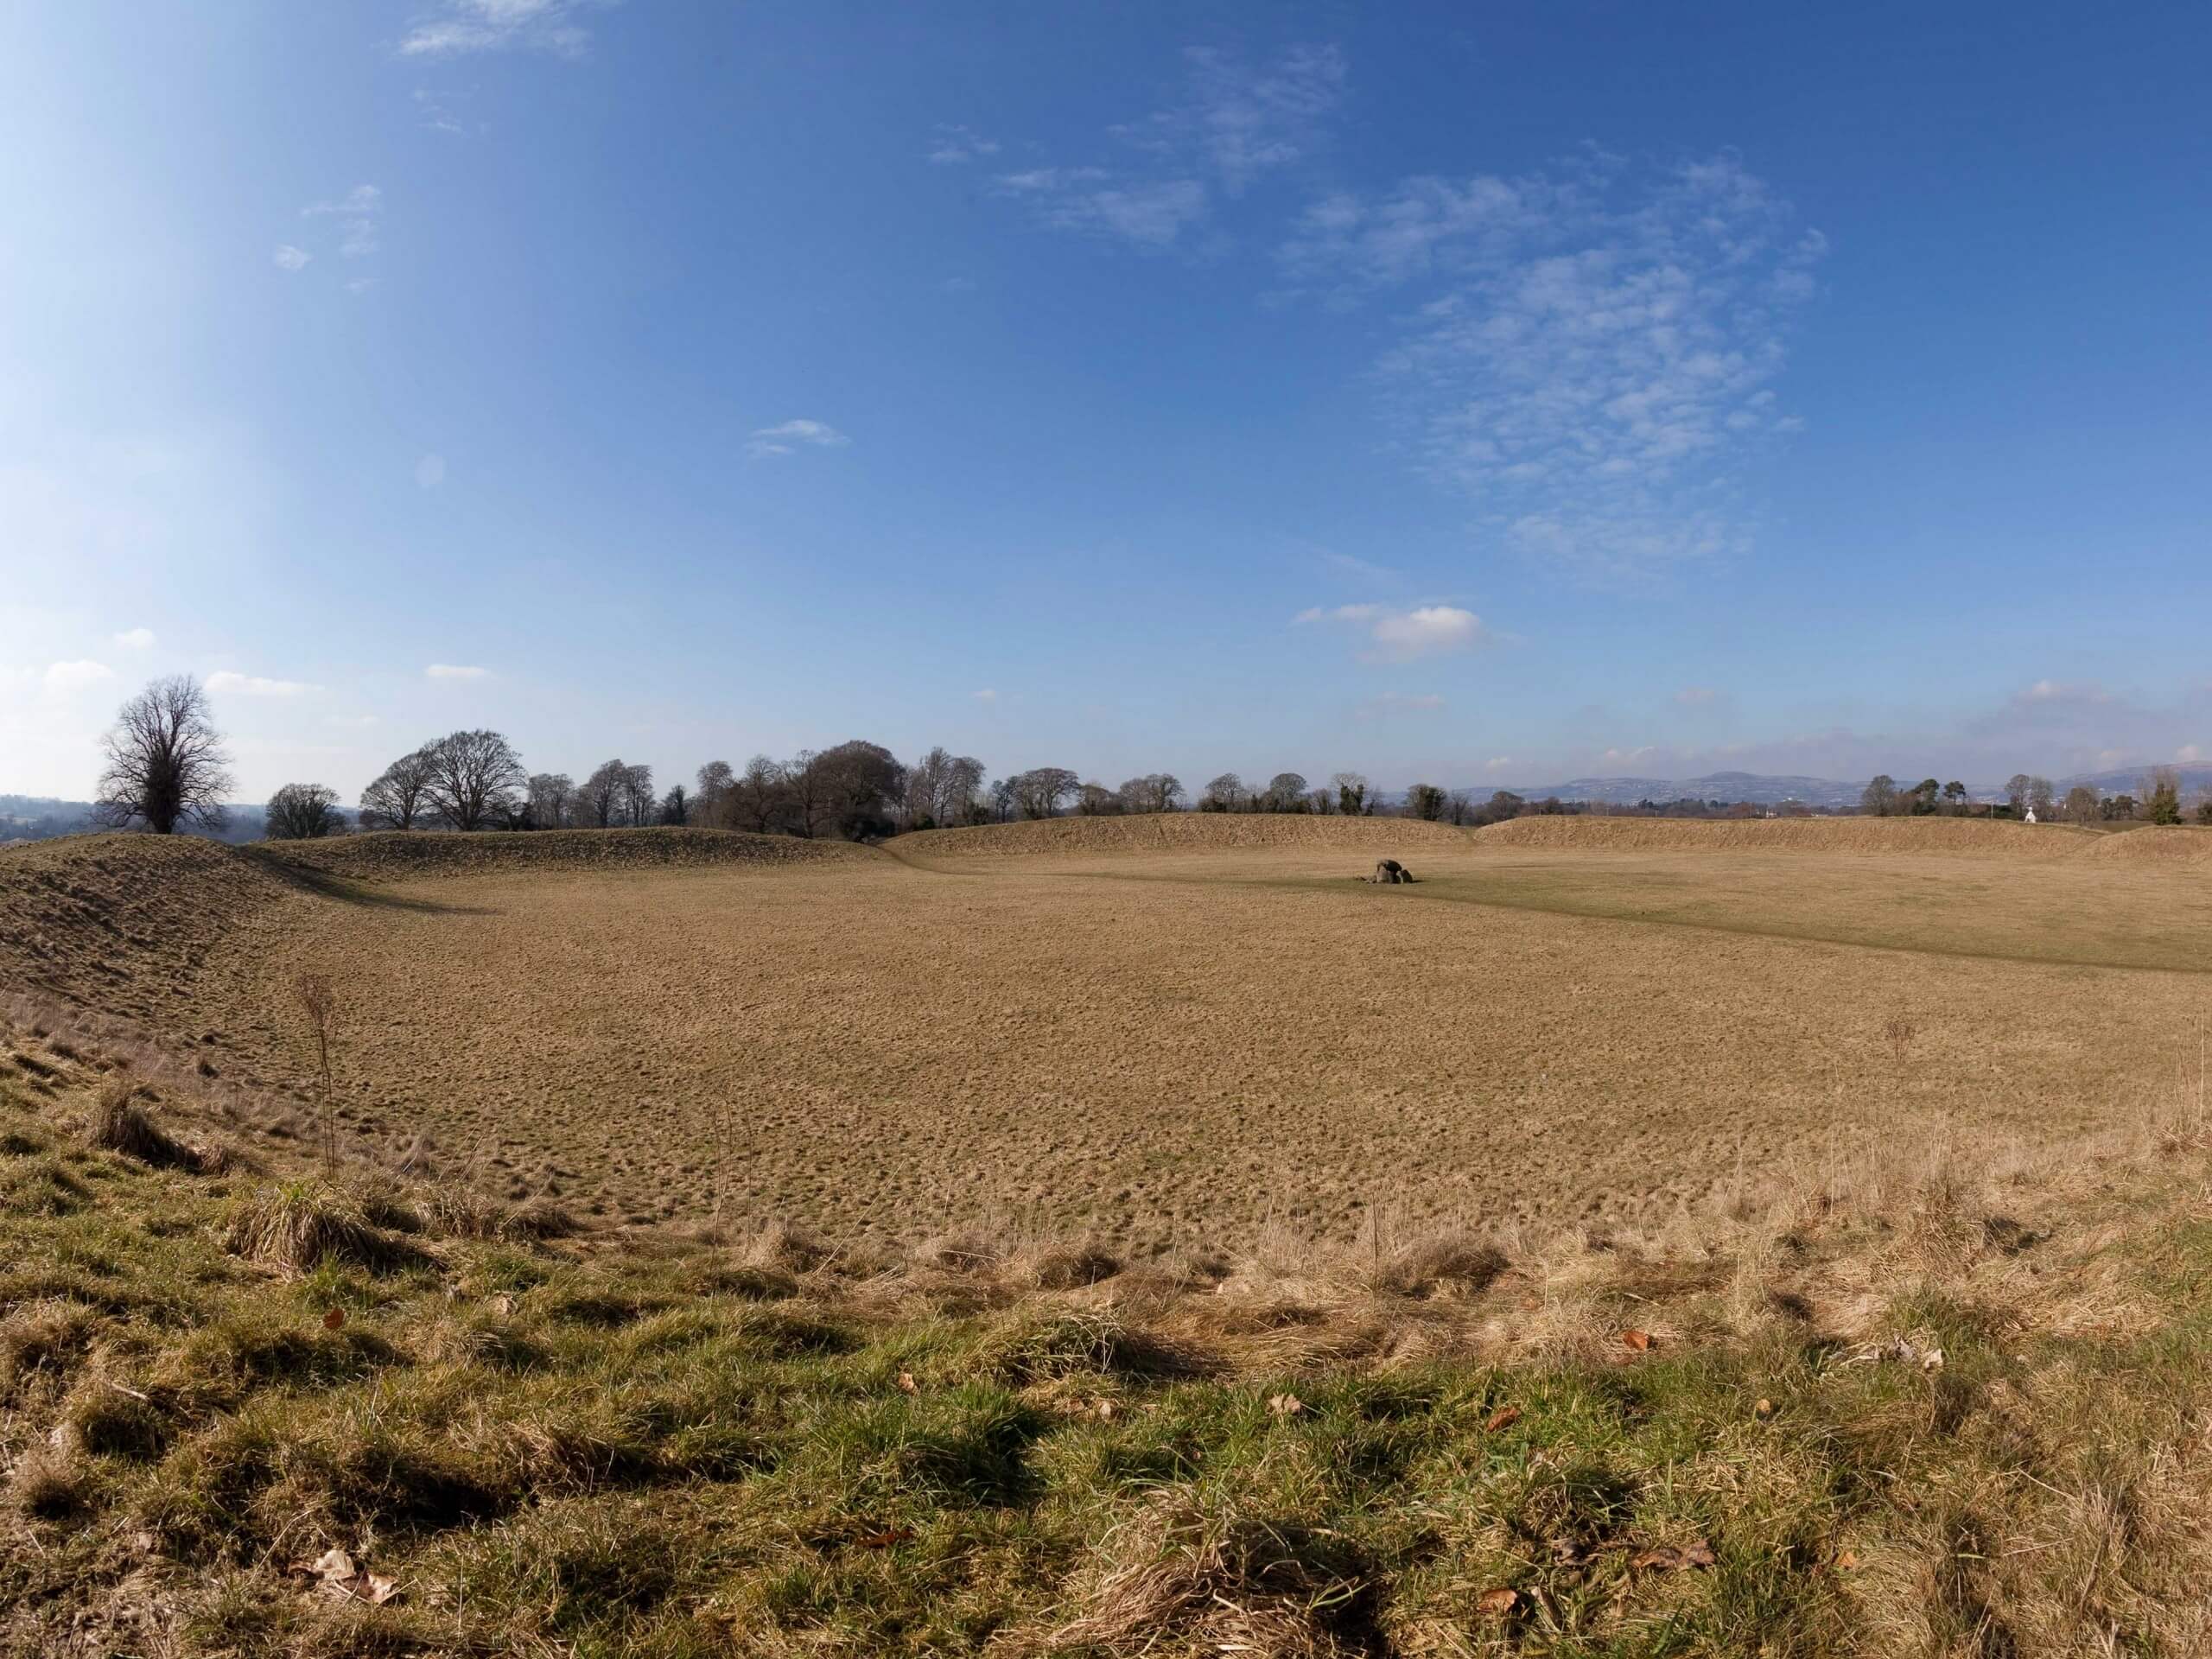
(1618, 1243)
(1182, 1032)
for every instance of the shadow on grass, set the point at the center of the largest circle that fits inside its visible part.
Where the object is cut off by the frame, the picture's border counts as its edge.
(324, 885)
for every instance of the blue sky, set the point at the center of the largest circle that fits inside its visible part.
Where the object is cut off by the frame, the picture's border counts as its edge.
(1486, 395)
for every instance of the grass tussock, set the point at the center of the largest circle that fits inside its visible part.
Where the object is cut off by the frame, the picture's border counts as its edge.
(1181, 1576)
(119, 1124)
(301, 1225)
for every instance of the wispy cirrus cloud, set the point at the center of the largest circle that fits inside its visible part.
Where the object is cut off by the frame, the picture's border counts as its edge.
(1394, 635)
(460, 28)
(1238, 120)
(456, 671)
(136, 639)
(288, 257)
(1231, 121)
(1587, 352)
(357, 212)
(954, 145)
(788, 437)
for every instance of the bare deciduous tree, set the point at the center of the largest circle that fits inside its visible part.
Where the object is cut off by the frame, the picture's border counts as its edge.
(675, 805)
(758, 799)
(475, 779)
(601, 799)
(400, 796)
(1097, 801)
(302, 812)
(1286, 792)
(638, 804)
(1156, 791)
(710, 800)
(1224, 794)
(166, 764)
(549, 795)
(1039, 793)
(850, 790)
(964, 799)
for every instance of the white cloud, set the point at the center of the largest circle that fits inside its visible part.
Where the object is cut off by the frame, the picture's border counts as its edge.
(987, 695)
(289, 258)
(1696, 696)
(360, 285)
(1150, 213)
(456, 671)
(1498, 763)
(358, 213)
(1234, 122)
(462, 27)
(430, 472)
(137, 638)
(1588, 350)
(1238, 120)
(2189, 755)
(253, 685)
(1401, 636)
(437, 114)
(785, 439)
(63, 677)
(954, 145)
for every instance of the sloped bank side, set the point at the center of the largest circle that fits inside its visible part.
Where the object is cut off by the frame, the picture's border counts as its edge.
(1919, 837)
(119, 921)
(1181, 831)
(395, 856)
(2155, 844)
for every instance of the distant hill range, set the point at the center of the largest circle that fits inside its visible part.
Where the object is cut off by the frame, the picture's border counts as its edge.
(35, 817)
(1764, 789)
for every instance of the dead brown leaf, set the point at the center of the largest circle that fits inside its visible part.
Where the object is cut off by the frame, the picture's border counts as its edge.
(1638, 1340)
(1664, 1558)
(335, 1319)
(1285, 1405)
(1504, 1417)
(1499, 1602)
(336, 1573)
(906, 1383)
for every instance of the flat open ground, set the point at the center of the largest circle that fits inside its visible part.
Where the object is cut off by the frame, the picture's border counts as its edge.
(1191, 1041)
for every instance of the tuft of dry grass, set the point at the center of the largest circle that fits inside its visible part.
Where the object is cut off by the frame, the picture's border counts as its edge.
(452, 1211)
(119, 1124)
(48, 1484)
(297, 1226)
(1183, 1576)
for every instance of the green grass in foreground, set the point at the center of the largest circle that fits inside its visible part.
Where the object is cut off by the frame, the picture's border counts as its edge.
(660, 1449)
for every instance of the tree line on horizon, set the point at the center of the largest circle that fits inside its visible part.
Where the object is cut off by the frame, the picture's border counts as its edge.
(2025, 793)
(167, 768)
